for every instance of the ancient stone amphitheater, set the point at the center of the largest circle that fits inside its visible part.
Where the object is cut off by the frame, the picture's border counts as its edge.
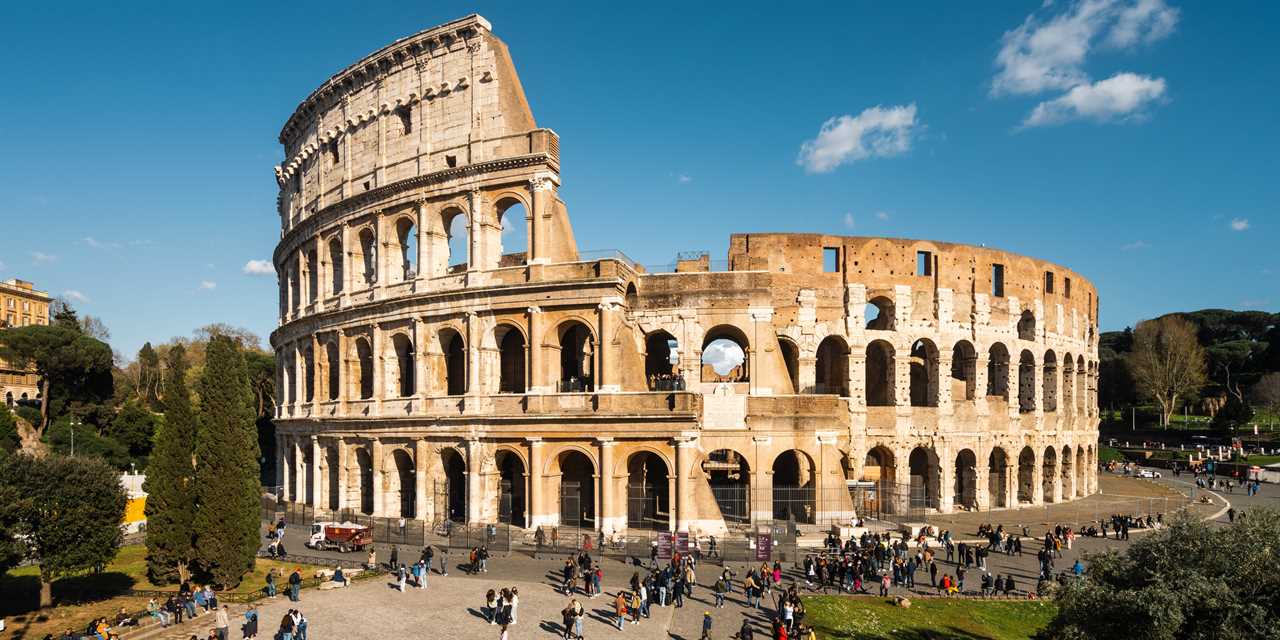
(431, 371)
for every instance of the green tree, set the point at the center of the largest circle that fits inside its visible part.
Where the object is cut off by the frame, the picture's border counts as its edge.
(9, 441)
(170, 484)
(149, 378)
(12, 504)
(1167, 362)
(227, 492)
(88, 443)
(70, 518)
(74, 369)
(134, 427)
(1189, 580)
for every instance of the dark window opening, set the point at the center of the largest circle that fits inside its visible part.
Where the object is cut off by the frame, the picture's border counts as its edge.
(1048, 282)
(997, 280)
(452, 161)
(1066, 287)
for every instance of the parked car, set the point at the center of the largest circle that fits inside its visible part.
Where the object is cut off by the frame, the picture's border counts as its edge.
(1148, 473)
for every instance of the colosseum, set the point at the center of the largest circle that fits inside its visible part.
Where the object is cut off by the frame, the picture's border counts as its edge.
(431, 370)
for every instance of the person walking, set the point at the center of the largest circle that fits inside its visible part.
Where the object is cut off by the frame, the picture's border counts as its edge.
(222, 622)
(620, 608)
(402, 574)
(490, 606)
(444, 561)
(706, 625)
(295, 584)
(515, 605)
(719, 589)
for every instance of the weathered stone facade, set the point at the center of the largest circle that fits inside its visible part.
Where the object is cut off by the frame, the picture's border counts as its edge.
(21, 304)
(541, 387)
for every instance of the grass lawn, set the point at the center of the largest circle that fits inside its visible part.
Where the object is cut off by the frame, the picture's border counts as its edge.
(78, 599)
(927, 619)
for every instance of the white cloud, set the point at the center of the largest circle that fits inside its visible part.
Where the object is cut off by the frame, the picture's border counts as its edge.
(76, 296)
(723, 355)
(1122, 96)
(40, 257)
(1239, 224)
(1145, 22)
(882, 215)
(1135, 245)
(684, 179)
(259, 268)
(877, 131)
(848, 220)
(208, 285)
(94, 243)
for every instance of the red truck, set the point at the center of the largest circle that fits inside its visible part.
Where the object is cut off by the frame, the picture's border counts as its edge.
(345, 536)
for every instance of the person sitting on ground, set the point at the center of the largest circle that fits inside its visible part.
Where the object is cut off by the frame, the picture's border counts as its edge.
(338, 576)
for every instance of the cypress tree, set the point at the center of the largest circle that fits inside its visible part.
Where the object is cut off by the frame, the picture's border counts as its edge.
(170, 485)
(226, 454)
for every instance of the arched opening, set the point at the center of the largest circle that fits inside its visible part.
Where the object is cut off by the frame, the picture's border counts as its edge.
(1026, 382)
(288, 379)
(648, 497)
(879, 374)
(1068, 474)
(295, 286)
(661, 355)
(1068, 382)
(998, 372)
(334, 367)
(1082, 390)
(368, 257)
(831, 374)
(1082, 463)
(926, 478)
(577, 358)
(1049, 475)
(965, 492)
(1049, 382)
(577, 490)
(879, 314)
(363, 480)
(924, 374)
(724, 355)
(402, 382)
(514, 238)
(308, 479)
(400, 491)
(632, 298)
(455, 362)
(406, 250)
(364, 365)
(313, 276)
(404, 117)
(511, 489)
(511, 358)
(998, 478)
(1026, 476)
(333, 488)
(455, 483)
(881, 471)
(336, 265)
(964, 371)
(308, 374)
(1027, 326)
(793, 487)
(791, 359)
(458, 240)
(730, 478)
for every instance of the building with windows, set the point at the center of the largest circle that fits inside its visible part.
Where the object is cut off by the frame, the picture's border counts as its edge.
(20, 305)
(430, 370)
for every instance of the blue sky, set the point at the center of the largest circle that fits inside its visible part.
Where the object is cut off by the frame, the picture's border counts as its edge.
(1133, 140)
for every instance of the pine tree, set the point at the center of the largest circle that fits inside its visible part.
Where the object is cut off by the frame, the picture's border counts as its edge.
(226, 454)
(149, 380)
(170, 484)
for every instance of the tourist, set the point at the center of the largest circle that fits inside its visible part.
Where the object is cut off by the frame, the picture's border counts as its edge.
(286, 626)
(271, 583)
(340, 577)
(515, 605)
(250, 627)
(745, 632)
(295, 584)
(706, 625)
(402, 575)
(719, 590)
(222, 622)
(490, 606)
(299, 624)
(444, 561)
(157, 611)
(620, 609)
(395, 558)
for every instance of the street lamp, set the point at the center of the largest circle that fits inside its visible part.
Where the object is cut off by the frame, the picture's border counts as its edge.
(72, 426)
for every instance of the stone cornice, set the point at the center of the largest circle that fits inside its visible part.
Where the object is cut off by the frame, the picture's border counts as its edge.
(376, 64)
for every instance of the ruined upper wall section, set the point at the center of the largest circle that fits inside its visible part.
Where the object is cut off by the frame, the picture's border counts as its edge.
(443, 99)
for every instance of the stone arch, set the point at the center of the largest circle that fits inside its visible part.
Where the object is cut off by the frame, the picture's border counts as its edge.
(399, 497)
(965, 485)
(1068, 382)
(574, 471)
(1082, 389)
(879, 374)
(577, 347)
(333, 367)
(453, 352)
(308, 373)
(362, 480)
(457, 239)
(333, 488)
(313, 274)
(1027, 326)
(649, 477)
(998, 371)
(998, 478)
(401, 382)
(1049, 382)
(926, 478)
(1026, 475)
(295, 285)
(718, 357)
(880, 468)
(729, 474)
(659, 369)
(791, 360)
(1049, 474)
(924, 373)
(632, 297)
(512, 479)
(964, 371)
(512, 369)
(1026, 382)
(1082, 463)
(512, 215)
(308, 478)
(831, 367)
(879, 313)
(455, 480)
(1067, 462)
(406, 249)
(363, 361)
(367, 255)
(794, 480)
(337, 263)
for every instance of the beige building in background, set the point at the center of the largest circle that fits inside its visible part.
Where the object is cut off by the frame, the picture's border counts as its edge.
(20, 305)
(428, 371)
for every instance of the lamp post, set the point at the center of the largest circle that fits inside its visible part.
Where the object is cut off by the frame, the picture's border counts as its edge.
(72, 426)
